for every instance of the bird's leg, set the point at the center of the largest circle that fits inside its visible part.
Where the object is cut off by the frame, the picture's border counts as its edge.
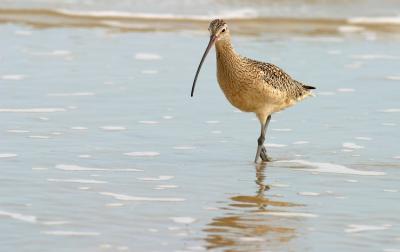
(261, 150)
(264, 156)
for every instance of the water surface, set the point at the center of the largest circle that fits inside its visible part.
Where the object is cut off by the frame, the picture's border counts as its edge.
(102, 148)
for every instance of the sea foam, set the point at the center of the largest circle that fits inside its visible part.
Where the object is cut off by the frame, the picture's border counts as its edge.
(159, 178)
(33, 110)
(7, 155)
(135, 198)
(330, 168)
(67, 167)
(83, 181)
(142, 154)
(20, 217)
(355, 228)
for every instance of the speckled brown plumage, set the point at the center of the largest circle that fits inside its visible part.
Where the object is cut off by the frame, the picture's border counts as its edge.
(251, 85)
(215, 25)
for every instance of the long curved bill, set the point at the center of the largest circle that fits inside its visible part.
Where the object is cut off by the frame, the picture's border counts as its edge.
(210, 44)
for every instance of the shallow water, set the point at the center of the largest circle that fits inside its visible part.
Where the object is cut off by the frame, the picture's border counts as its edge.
(104, 150)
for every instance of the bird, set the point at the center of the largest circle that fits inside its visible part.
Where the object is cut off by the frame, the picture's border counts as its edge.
(251, 85)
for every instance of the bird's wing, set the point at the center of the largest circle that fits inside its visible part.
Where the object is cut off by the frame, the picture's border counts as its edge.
(280, 81)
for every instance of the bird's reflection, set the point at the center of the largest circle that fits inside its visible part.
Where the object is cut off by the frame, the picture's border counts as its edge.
(244, 227)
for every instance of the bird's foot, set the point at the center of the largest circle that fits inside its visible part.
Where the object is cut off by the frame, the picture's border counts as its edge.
(264, 156)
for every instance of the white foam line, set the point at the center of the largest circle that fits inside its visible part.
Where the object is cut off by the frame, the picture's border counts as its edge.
(251, 239)
(309, 193)
(17, 131)
(23, 33)
(389, 124)
(345, 90)
(70, 233)
(79, 128)
(39, 168)
(301, 142)
(166, 187)
(67, 167)
(355, 228)
(391, 110)
(147, 56)
(114, 204)
(20, 217)
(391, 249)
(113, 128)
(242, 13)
(279, 185)
(284, 130)
(149, 122)
(7, 155)
(395, 78)
(39, 137)
(350, 28)
(375, 20)
(53, 53)
(142, 154)
(391, 190)
(13, 77)
(331, 168)
(352, 146)
(73, 94)
(319, 39)
(83, 181)
(347, 150)
(135, 198)
(159, 178)
(274, 145)
(33, 110)
(183, 220)
(289, 214)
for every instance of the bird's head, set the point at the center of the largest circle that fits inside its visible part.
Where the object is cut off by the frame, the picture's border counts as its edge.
(219, 29)
(218, 32)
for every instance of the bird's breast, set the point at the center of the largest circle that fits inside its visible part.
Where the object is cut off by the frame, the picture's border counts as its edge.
(239, 86)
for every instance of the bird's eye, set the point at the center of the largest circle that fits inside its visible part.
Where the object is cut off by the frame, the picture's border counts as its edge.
(223, 30)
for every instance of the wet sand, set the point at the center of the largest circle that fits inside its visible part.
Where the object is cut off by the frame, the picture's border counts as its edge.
(104, 150)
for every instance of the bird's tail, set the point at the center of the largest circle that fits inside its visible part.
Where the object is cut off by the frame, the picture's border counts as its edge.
(308, 87)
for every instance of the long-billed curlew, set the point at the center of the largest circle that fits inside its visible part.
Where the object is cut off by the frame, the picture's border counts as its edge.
(250, 85)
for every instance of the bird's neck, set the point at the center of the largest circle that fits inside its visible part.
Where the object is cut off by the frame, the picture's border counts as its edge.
(227, 58)
(228, 67)
(225, 51)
